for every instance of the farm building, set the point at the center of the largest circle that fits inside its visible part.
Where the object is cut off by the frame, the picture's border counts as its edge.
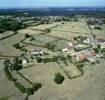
(37, 51)
(83, 55)
(66, 50)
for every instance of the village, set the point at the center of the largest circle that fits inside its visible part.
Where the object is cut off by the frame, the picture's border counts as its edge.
(54, 55)
(78, 51)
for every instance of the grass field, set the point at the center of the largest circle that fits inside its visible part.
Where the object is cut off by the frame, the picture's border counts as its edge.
(29, 31)
(40, 40)
(6, 45)
(44, 26)
(7, 88)
(6, 34)
(90, 86)
(70, 30)
(76, 27)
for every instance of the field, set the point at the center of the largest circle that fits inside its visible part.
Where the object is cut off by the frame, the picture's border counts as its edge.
(29, 31)
(90, 86)
(44, 26)
(6, 45)
(99, 33)
(6, 34)
(7, 88)
(70, 30)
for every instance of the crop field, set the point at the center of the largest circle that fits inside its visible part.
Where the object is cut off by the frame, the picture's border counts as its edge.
(70, 70)
(7, 88)
(6, 34)
(79, 27)
(29, 31)
(99, 33)
(6, 45)
(40, 40)
(81, 87)
(44, 26)
(70, 30)
(90, 86)
(59, 44)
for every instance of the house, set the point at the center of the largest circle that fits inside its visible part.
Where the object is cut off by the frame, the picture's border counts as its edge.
(92, 26)
(37, 51)
(24, 61)
(92, 60)
(102, 43)
(83, 55)
(70, 44)
(80, 57)
(88, 40)
(65, 50)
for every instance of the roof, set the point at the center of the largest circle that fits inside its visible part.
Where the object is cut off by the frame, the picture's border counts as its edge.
(37, 50)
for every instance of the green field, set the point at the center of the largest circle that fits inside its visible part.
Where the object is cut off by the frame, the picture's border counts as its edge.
(90, 86)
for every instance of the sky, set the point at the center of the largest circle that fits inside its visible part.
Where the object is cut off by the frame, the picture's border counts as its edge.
(51, 3)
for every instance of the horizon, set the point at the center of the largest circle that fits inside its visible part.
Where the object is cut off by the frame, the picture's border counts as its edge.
(51, 7)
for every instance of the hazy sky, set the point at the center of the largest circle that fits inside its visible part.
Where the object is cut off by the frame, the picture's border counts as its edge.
(47, 3)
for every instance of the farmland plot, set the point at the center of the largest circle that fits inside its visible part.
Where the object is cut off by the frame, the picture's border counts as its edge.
(40, 40)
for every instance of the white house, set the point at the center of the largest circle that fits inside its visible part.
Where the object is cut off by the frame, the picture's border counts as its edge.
(65, 50)
(102, 45)
(24, 61)
(70, 44)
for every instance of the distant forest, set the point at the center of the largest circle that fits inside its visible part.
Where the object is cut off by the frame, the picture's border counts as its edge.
(98, 12)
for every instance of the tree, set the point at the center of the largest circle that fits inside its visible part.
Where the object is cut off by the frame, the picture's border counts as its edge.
(29, 91)
(51, 46)
(20, 87)
(27, 36)
(37, 86)
(98, 28)
(32, 38)
(96, 50)
(10, 25)
(17, 46)
(47, 30)
(17, 63)
(58, 78)
(8, 74)
(39, 59)
(80, 65)
(7, 63)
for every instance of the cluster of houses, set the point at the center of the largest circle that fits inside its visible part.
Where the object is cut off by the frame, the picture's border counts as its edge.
(31, 55)
(85, 54)
(69, 49)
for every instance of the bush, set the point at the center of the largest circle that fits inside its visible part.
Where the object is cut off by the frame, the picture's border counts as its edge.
(47, 30)
(58, 78)
(29, 91)
(50, 46)
(20, 87)
(8, 75)
(39, 59)
(98, 62)
(32, 38)
(80, 65)
(24, 49)
(27, 36)
(17, 46)
(98, 28)
(96, 50)
(17, 63)
(37, 86)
